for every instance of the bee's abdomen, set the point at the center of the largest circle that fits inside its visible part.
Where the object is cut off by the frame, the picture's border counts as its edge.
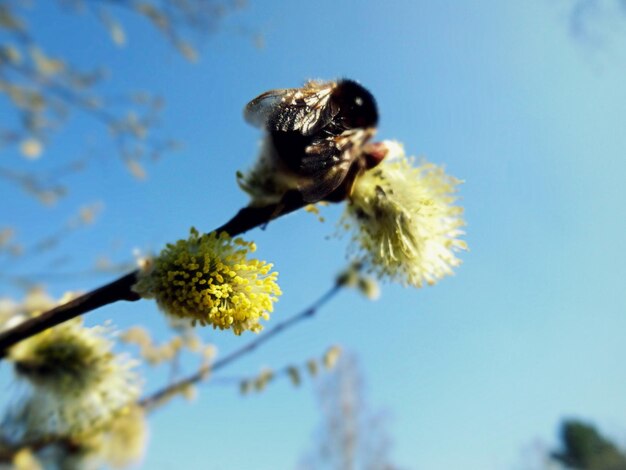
(291, 148)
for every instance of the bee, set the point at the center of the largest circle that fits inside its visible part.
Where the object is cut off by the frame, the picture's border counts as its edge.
(317, 137)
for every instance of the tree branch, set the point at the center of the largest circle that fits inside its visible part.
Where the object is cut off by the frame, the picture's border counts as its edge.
(121, 289)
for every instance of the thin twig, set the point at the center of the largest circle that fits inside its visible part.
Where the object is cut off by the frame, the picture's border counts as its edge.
(121, 289)
(152, 401)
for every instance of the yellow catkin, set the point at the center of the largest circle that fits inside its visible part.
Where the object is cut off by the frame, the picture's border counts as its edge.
(210, 280)
(406, 226)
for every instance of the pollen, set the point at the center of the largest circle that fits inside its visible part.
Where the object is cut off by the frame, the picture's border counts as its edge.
(210, 280)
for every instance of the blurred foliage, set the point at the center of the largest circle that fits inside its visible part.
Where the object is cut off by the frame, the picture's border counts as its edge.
(42, 89)
(155, 354)
(584, 448)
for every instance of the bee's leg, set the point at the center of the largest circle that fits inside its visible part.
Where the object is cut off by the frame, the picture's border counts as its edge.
(344, 190)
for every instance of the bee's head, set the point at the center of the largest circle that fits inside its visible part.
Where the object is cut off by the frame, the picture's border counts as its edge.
(357, 106)
(373, 154)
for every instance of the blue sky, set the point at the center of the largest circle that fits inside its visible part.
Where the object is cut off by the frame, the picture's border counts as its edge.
(530, 330)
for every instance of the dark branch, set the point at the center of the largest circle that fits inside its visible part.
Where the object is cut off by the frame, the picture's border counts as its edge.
(119, 289)
(251, 217)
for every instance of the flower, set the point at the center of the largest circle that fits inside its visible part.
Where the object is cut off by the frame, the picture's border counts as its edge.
(406, 226)
(210, 280)
(331, 356)
(117, 444)
(122, 442)
(78, 383)
(24, 459)
(353, 277)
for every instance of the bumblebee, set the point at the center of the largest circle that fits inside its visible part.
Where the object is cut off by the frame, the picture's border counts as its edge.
(316, 138)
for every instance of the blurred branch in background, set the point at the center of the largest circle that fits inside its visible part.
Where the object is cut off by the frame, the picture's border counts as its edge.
(14, 252)
(350, 436)
(46, 186)
(163, 395)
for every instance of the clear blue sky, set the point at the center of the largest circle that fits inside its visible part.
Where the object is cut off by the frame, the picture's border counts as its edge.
(531, 328)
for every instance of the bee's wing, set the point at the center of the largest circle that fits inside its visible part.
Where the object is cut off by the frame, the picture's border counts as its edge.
(305, 110)
(327, 163)
(259, 111)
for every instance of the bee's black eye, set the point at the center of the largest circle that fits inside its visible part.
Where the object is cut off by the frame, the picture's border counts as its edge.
(357, 106)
